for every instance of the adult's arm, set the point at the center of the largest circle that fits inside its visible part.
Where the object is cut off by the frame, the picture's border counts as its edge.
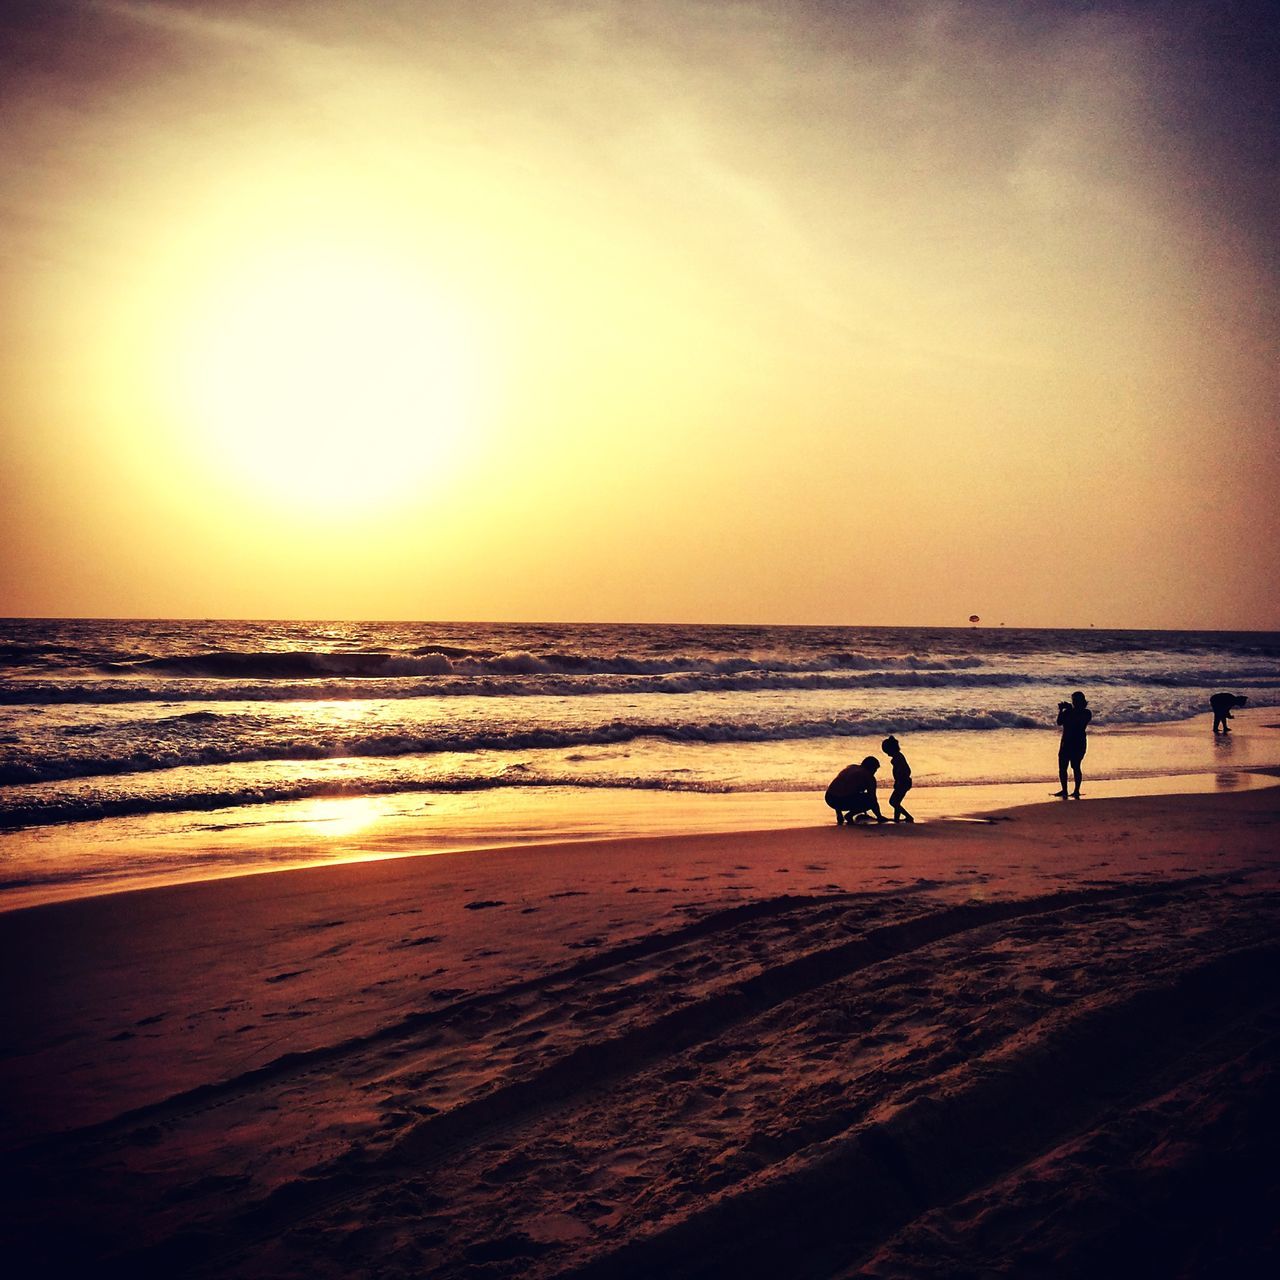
(874, 806)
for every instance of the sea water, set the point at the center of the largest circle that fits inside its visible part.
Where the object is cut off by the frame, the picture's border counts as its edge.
(199, 721)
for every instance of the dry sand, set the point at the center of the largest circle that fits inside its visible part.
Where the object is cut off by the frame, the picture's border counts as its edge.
(1043, 1045)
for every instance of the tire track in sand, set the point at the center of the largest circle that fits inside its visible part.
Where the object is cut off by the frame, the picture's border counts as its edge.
(595, 1065)
(823, 1213)
(401, 1033)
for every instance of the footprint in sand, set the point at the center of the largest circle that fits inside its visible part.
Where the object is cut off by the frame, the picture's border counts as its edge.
(423, 940)
(284, 977)
(508, 1169)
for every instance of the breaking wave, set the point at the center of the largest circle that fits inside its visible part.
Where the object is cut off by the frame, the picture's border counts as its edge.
(438, 660)
(315, 746)
(524, 676)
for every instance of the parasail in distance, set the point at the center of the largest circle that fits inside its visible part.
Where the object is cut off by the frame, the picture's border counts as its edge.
(973, 617)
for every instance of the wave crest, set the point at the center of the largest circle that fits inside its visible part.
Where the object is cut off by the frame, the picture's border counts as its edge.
(200, 752)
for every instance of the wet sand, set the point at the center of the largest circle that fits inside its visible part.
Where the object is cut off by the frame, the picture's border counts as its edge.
(1044, 1044)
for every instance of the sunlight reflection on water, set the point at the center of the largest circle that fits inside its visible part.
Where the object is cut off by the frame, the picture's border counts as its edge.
(341, 817)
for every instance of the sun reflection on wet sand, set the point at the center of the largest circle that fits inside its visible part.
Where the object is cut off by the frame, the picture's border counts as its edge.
(341, 817)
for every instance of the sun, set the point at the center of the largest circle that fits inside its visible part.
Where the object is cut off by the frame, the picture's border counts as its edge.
(327, 374)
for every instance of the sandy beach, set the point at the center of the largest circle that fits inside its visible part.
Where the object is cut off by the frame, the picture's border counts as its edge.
(1041, 1044)
(474, 477)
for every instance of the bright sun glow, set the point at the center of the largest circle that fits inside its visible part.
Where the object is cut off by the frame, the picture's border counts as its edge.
(327, 376)
(347, 816)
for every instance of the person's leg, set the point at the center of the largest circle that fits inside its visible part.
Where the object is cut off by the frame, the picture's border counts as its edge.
(1076, 761)
(895, 801)
(1062, 775)
(902, 795)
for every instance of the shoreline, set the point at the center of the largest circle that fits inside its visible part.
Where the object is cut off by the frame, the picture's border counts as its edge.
(371, 837)
(124, 855)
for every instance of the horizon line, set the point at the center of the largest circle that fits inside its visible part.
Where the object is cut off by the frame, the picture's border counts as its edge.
(529, 622)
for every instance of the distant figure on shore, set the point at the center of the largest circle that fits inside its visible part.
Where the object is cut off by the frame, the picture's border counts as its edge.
(901, 778)
(1074, 717)
(1222, 704)
(853, 791)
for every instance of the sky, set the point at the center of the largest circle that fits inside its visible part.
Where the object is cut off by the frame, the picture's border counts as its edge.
(640, 310)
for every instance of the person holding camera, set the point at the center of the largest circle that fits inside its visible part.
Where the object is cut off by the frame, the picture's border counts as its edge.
(1074, 717)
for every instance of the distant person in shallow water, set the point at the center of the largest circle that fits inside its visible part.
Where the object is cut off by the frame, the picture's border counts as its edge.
(1222, 704)
(853, 791)
(1074, 717)
(901, 778)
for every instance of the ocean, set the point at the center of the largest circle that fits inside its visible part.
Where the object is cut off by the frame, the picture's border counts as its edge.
(109, 720)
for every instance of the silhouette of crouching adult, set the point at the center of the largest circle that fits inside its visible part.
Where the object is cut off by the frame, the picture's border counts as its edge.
(853, 791)
(1222, 703)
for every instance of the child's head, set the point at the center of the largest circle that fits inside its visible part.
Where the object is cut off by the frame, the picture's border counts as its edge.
(890, 746)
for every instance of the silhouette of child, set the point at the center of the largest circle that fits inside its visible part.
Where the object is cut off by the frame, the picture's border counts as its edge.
(901, 778)
(853, 792)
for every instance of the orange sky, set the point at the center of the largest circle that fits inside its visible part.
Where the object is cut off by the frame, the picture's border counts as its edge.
(825, 312)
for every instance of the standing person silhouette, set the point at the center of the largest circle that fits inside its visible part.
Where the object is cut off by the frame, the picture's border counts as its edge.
(1074, 717)
(901, 778)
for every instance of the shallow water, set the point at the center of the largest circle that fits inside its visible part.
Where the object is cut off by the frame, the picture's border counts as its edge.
(43, 864)
(130, 751)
